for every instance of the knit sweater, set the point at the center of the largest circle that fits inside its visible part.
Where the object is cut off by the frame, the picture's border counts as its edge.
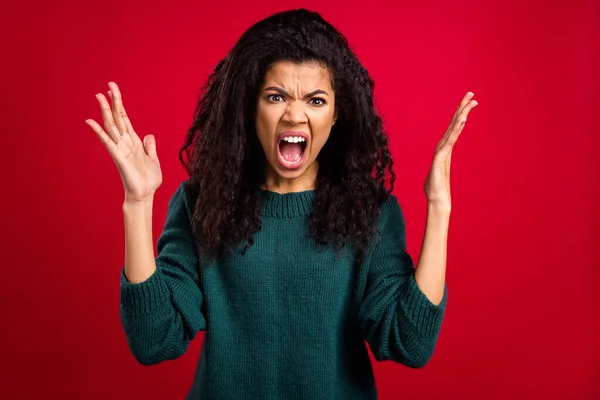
(285, 320)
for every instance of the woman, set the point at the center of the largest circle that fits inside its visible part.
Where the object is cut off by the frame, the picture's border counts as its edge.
(284, 245)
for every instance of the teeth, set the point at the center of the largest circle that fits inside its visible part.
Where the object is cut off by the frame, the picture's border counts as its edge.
(294, 139)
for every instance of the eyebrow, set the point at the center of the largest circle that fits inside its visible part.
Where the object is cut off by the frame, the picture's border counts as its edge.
(283, 92)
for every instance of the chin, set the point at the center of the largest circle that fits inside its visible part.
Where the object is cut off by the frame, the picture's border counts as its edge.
(290, 174)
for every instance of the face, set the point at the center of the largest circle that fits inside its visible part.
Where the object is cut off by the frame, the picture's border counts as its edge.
(295, 113)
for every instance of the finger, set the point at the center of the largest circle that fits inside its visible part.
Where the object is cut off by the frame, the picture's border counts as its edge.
(130, 129)
(127, 121)
(452, 134)
(106, 140)
(453, 137)
(117, 107)
(128, 124)
(107, 117)
(456, 122)
(150, 146)
(467, 109)
(442, 153)
(465, 100)
(454, 125)
(464, 103)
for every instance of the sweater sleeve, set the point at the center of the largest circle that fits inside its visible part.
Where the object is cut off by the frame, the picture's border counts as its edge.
(161, 315)
(398, 321)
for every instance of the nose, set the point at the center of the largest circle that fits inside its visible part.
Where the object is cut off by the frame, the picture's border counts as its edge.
(294, 113)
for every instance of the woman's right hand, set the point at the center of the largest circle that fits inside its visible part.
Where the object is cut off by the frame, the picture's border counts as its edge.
(136, 161)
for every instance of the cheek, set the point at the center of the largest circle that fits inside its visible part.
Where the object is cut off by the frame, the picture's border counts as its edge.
(320, 137)
(263, 131)
(268, 113)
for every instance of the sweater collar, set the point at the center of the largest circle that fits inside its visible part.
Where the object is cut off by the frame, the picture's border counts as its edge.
(287, 205)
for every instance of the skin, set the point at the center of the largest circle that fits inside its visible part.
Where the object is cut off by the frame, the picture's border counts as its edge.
(140, 171)
(287, 101)
(430, 273)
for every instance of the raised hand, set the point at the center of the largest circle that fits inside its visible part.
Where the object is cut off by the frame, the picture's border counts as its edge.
(437, 183)
(136, 161)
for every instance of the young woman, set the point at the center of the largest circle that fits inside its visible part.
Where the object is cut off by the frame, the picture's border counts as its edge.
(285, 245)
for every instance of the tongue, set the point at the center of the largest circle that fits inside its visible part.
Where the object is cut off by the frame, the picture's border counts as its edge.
(291, 151)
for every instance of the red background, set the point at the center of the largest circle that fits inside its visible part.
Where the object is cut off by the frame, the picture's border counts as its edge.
(522, 318)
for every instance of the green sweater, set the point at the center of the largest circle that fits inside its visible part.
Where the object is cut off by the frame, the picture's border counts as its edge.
(283, 321)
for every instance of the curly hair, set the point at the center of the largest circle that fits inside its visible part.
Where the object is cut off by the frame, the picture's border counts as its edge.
(227, 164)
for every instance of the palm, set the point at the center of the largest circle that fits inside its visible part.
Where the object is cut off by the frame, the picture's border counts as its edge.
(137, 161)
(437, 183)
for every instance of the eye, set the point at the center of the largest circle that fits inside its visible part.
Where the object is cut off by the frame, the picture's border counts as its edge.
(273, 97)
(320, 101)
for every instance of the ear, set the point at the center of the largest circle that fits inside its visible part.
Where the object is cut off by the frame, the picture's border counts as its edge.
(335, 116)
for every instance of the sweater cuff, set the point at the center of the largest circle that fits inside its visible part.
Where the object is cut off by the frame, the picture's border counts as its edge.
(144, 297)
(425, 316)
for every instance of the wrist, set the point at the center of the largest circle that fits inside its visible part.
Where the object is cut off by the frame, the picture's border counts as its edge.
(137, 203)
(439, 208)
(131, 207)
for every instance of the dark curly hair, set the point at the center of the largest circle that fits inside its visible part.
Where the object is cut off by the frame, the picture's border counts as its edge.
(227, 164)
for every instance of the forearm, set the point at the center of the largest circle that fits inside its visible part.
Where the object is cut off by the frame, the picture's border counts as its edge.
(430, 272)
(161, 299)
(139, 248)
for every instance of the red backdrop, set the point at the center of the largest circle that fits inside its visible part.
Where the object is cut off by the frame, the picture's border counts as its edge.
(522, 318)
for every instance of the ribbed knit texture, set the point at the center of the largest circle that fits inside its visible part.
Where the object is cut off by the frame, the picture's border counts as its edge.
(283, 321)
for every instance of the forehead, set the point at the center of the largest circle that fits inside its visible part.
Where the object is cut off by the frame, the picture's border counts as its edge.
(290, 74)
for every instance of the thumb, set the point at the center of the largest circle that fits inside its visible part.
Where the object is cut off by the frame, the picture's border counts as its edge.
(150, 146)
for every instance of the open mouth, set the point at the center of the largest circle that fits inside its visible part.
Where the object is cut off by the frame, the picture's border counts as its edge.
(290, 151)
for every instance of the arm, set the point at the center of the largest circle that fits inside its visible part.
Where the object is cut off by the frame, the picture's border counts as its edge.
(431, 267)
(402, 309)
(161, 301)
(398, 320)
(139, 247)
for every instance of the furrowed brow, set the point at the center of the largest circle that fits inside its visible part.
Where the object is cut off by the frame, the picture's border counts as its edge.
(285, 93)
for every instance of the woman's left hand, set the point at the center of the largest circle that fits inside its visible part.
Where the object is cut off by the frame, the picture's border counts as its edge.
(437, 183)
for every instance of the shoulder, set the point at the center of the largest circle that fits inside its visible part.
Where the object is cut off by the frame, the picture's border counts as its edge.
(182, 198)
(391, 212)
(390, 225)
